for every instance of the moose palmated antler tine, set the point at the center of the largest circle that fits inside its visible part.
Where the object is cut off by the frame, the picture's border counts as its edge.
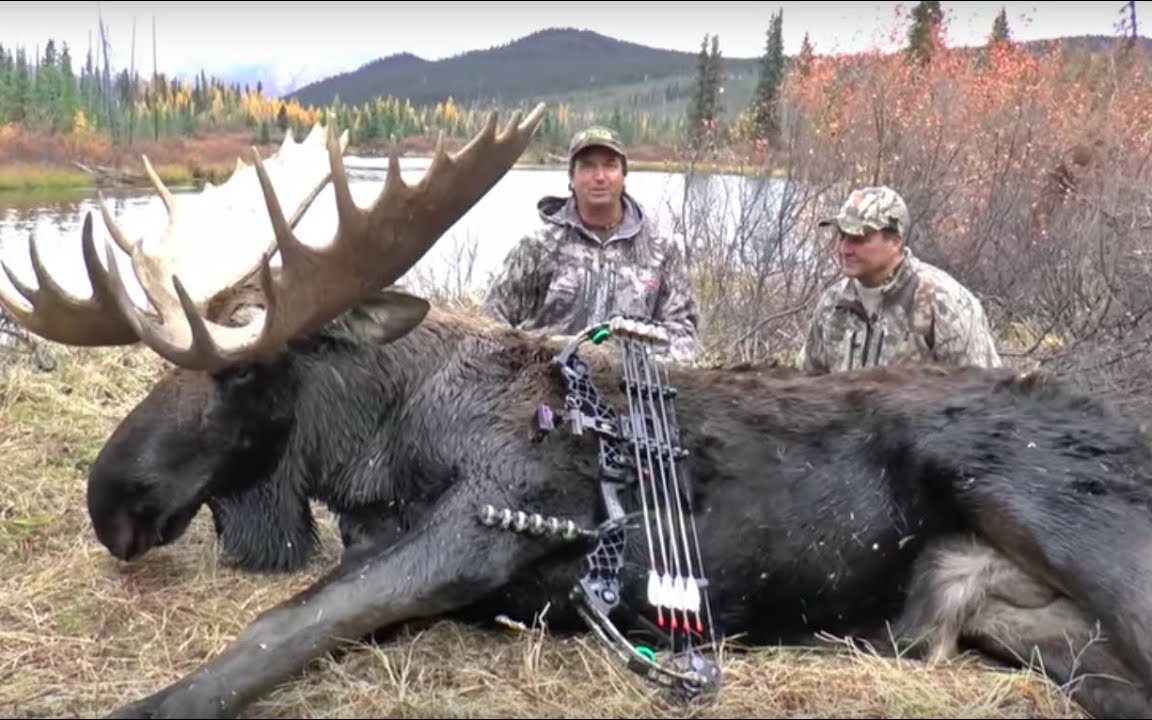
(161, 189)
(151, 269)
(170, 335)
(110, 223)
(375, 246)
(179, 337)
(57, 315)
(372, 247)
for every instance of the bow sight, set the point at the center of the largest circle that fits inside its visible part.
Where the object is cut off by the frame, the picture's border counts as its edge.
(640, 450)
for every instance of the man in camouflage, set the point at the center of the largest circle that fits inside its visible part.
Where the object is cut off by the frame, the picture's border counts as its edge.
(891, 308)
(595, 255)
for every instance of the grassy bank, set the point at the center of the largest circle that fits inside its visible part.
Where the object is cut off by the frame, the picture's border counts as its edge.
(713, 167)
(32, 162)
(81, 633)
(33, 177)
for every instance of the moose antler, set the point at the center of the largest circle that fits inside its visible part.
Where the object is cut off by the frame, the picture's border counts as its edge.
(371, 249)
(301, 170)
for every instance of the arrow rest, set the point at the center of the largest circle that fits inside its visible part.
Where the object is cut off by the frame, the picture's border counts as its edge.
(639, 450)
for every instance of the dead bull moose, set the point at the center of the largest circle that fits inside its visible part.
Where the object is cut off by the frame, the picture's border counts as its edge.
(949, 508)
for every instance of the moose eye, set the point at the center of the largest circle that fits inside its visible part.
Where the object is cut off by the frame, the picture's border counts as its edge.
(236, 380)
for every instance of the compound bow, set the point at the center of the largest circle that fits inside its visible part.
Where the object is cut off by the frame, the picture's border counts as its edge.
(642, 450)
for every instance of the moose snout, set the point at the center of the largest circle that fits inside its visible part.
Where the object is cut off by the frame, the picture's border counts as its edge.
(125, 538)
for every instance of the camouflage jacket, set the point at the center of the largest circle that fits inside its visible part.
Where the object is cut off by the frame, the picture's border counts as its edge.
(922, 315)
(562, 278)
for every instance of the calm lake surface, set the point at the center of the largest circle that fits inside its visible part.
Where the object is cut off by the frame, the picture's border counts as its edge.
(463, 261)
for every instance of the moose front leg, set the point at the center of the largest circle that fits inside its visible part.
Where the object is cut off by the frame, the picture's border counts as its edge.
(447, 562)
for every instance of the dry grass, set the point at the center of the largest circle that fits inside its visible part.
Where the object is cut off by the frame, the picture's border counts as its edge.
(81, 633)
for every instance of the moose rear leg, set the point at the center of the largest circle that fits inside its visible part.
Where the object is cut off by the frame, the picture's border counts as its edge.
(965, 592)
(447, 562)
(1061, 642)
(1066, 496)
(951, 582)
(1087, 538)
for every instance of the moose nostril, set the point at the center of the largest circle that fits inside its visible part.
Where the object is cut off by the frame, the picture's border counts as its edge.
(121, 537)
(118, 538)
(122, 543)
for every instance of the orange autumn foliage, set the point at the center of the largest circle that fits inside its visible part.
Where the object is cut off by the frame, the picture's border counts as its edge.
(970, 115)
(975, 128)
(1028, 173)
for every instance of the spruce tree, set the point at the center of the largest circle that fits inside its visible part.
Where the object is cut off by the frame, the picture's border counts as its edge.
(925, 34)
(1000, 31)
(765, 100)
(704, 109)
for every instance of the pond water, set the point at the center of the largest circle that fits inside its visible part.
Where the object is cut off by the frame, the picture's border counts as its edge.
(463, 261)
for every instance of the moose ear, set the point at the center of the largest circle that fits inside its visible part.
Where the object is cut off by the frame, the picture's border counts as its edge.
(388, 316)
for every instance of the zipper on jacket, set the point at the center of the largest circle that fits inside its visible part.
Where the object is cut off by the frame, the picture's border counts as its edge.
(867, 344)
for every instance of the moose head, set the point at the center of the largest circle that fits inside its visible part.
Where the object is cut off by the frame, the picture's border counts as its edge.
(219, 419)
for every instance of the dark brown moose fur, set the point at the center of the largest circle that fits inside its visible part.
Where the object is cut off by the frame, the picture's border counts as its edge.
(966, 507)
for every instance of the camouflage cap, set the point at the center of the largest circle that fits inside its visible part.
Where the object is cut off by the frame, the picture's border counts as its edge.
(596, 136)
(871, 208)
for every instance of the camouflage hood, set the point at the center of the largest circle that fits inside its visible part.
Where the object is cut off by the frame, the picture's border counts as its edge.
(561, 211)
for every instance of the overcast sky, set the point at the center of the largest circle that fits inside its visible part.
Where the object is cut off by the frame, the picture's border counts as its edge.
(321, 38)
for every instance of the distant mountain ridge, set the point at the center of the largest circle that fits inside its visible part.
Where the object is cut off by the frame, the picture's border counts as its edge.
(546, 62)
(560, 63)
